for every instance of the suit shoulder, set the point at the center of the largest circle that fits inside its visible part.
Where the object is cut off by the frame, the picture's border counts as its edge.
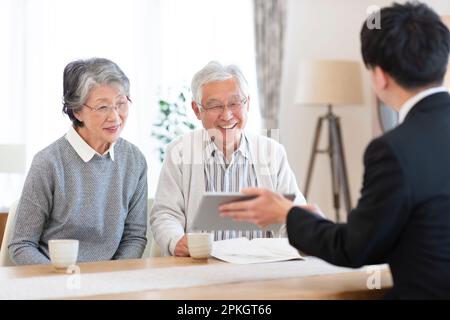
(383, 148)
(395, 137)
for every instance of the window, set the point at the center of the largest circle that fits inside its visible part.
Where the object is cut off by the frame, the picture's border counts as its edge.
(159, 44)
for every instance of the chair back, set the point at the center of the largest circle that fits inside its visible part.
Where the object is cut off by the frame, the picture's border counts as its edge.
(152, 249)
(5, 260)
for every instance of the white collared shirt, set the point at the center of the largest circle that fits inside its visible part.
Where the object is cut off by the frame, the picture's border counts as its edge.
(222, 175)
(84, 150)
(411, 102)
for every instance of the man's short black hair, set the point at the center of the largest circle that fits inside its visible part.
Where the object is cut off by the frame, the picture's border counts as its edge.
(412, 44)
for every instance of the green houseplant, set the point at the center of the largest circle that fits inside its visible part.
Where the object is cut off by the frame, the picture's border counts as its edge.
(173, 120)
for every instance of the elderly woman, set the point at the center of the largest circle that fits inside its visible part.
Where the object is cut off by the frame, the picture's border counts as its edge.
(90, 184)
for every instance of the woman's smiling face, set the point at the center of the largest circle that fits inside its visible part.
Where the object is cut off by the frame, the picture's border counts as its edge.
(104, 115)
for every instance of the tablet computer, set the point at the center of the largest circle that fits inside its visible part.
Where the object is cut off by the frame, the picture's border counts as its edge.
(208, 216)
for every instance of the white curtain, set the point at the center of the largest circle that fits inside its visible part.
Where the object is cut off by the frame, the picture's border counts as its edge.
(158, 43)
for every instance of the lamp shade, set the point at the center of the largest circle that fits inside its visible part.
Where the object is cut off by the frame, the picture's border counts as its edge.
(329, 82)
(12, 158)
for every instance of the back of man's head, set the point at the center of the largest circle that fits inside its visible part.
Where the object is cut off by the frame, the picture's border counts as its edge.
(411, 44)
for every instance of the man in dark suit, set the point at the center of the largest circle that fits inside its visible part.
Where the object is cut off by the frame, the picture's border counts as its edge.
(403, 215)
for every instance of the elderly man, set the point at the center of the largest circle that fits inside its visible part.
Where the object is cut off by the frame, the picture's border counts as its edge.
(222, 157)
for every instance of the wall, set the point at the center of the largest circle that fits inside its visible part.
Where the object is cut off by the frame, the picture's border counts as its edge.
(328, 29)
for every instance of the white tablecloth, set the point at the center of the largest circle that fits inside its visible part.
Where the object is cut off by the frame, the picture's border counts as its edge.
(78, 285)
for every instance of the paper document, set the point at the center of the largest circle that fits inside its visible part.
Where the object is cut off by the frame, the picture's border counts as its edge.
(259, 250)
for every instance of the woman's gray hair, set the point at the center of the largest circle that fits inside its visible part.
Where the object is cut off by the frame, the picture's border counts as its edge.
(212, 72)
(81, 76)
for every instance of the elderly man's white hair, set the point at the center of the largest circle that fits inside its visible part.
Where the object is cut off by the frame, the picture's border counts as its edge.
(215, 71)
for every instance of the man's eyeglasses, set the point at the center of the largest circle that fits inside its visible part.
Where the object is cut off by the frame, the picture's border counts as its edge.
(215, 108)
(122, 107)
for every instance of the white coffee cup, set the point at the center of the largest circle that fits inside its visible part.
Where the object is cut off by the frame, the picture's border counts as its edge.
(200, 244)
(63, 252)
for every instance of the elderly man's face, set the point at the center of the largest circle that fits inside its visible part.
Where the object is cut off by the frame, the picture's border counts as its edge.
(104, 115)
(224, 124)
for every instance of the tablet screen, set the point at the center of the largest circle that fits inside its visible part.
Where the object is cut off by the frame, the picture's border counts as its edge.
(208, 215)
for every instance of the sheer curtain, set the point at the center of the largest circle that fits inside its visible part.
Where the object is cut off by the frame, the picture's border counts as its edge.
(270, 22)
(158, 43)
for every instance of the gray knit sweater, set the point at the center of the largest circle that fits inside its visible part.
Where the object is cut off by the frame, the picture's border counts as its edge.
(102, 203)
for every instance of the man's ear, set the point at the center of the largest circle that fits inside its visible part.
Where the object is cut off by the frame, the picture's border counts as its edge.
(196, 110)
(248, 103)
(380, 79)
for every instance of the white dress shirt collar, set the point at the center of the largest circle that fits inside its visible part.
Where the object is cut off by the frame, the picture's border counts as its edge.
(84, 150)
(411, 102)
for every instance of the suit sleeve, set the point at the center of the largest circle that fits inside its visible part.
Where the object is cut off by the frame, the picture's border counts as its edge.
(373, 226)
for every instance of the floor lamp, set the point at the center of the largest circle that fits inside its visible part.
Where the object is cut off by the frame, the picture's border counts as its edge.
(330, 83)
